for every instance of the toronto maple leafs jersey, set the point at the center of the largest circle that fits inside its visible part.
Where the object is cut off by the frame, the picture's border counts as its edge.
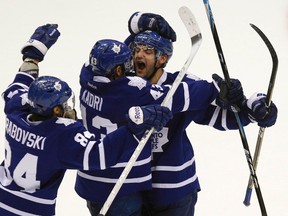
(103, 107)
(38, 153)
(173, 165)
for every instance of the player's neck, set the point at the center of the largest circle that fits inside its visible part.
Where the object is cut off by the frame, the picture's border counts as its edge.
(156, 76)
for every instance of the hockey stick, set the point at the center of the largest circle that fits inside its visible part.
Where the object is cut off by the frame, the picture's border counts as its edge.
(240, 126)
(196, 38)
(268, 102)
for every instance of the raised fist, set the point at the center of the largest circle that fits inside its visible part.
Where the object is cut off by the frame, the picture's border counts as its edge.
(40, 41)
(140, 22)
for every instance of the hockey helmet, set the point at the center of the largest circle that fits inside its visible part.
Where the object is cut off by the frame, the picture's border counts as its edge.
(108, 53)
(152, 39)
(46, 92)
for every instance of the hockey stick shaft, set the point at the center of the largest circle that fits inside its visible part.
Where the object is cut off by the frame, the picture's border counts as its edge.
(240, 126)
(268, 102)
(195, 35)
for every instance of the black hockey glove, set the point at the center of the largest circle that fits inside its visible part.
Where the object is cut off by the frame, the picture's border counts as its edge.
(229, 97)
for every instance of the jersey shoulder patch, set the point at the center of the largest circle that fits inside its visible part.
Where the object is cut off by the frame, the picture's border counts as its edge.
(65, 121)
(137, 82)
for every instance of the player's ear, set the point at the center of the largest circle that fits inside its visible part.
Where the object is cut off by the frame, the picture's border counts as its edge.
(57, 111)
(162, 59)
(119, 71)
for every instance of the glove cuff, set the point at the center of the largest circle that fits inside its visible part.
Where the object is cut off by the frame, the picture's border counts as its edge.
(37, 44)
(136, 115)
(30, 66)
(133, 23)
(256, 96)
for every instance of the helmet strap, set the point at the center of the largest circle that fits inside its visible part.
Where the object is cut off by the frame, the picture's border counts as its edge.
(157, 56)
(154, 71)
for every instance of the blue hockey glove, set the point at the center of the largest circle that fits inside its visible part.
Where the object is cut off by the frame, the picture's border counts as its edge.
(41, 40)
(258, 111)
(145, 117)
(229, 97)
(140, 22)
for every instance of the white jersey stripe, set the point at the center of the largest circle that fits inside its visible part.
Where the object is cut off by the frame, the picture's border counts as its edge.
(137, 163)
(174, 168)
(175, 185)
(86, 155)
(214, 117)
(186, 96)
(15, 211)
(29, 197)
(110, 180)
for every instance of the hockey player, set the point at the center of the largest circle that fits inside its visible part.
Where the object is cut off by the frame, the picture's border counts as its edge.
(43, 138)
(103, 76)
(104, 87)
(103, 82)
(174, 178)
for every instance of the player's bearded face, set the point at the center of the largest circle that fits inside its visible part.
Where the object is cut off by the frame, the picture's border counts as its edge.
(144, 60)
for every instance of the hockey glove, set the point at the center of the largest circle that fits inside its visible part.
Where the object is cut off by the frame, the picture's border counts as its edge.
(41, 40)
(140, 22)
(229, 97)
(258, 111)
(144, 118)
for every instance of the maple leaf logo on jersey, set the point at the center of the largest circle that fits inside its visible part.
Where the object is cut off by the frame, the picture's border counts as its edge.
(65, 121)
(11, 94)
(116, 48)
(137, 82)
(58, 86)
(24, 99)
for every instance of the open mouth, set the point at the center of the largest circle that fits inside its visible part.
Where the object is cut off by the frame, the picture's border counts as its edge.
(140, 65)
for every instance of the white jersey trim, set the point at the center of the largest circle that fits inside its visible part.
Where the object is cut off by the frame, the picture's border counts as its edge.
(174, 168)
(110, 180)
(137, 163)
(86, 155)
(175, 185)
(214, 117)
(29, 197)
(186, 96)
(15, 211)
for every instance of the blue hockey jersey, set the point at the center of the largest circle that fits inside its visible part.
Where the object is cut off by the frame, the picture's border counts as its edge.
(173, 176)
(37, 154)
(173, 166)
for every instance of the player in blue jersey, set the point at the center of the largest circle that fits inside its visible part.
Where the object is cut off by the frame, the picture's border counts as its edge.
(104, 87)
(101, 93)
(104, 75)
(174, 178)
(44, 139)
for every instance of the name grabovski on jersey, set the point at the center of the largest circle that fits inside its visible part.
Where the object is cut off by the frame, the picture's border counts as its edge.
(24, 137)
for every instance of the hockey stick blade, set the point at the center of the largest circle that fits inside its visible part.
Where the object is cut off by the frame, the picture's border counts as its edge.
(268, 101)
(194, 32)
(240, 125)
(195, 35)
(274, 61)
